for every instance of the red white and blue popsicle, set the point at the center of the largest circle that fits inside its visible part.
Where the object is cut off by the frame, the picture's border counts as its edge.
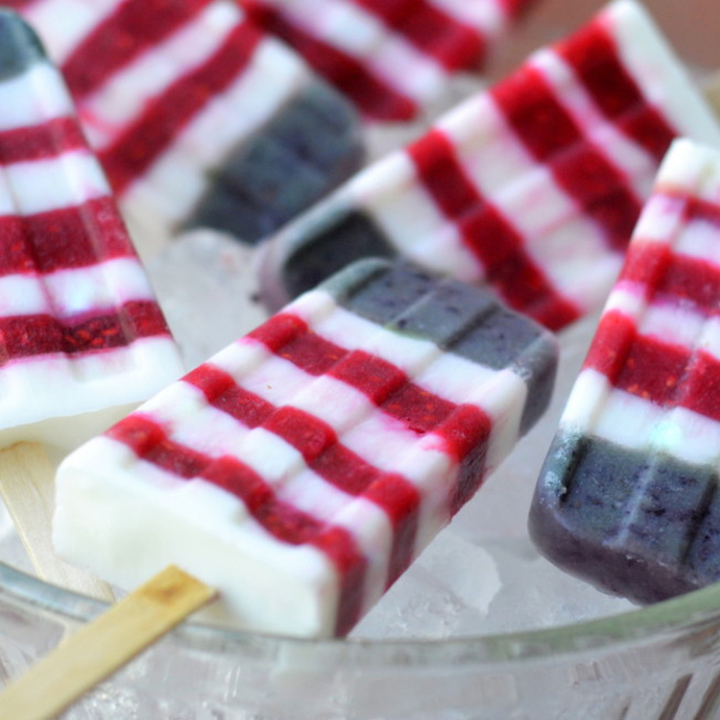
(628, 496)
(532, 188)
(301, 469)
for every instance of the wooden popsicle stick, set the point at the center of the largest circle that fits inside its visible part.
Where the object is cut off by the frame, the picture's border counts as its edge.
(711, 90)
(96, 651)
(26, 484)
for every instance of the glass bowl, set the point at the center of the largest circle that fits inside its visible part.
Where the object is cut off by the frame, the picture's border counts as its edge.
(509, 638)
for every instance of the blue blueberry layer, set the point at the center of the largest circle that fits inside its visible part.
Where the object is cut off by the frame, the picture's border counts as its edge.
(643, 525)
(20, 47)
(312, 145)
(327, 246)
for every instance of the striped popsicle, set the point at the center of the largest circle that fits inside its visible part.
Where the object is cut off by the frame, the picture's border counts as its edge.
(80, 329)
(628, 496)
(391, 57)
(301, 469)
(197, 116)
(532, 188)
(82, 339)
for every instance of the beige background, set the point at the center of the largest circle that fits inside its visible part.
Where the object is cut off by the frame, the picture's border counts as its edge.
(693, 27)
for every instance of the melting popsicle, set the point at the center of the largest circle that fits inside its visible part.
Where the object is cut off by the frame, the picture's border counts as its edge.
(532, 188)
(390, 58)
(82, 339)
(198, 118)
(301, 469)
(628, 496)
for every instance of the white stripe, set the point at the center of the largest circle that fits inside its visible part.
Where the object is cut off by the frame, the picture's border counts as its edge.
(650, 60)
(661, 220)
(66, 293)
(177, 179)
(392, 194)
(60, 182)
(487, 16)
(700, 239)
(406, 69)
(102, 286)
(64, 24)
(673, 323)
(596, 408)
(585, 403)
(689, 436)
(126, 93)
(7, 202)
(632, 422)
(34, 97)
(22, 295)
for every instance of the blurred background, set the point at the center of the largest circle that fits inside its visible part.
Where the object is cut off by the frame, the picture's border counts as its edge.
(693, 27)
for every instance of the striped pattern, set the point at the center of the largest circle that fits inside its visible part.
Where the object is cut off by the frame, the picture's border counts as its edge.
(533, 187)
(390, 58)
(171, 94)
(338, 434)
(71, 285)
(649, 396)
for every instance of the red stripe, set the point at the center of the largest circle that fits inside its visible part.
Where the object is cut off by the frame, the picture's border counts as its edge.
(135, 27)
(594, 56)
(282, 521)
(374, 97)
(449, 41)
(32, 335)
(640, 365)
(50, 139)
(63, 239)
(666, 374)
(682, 277)
(697, 209)
(496, 244)
(551, 135)
(155, 129)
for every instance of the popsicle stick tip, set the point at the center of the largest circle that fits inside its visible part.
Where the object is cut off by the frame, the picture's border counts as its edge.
(174, 585)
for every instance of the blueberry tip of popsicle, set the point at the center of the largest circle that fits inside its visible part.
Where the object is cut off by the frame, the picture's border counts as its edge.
(588, 528)
(20, 47)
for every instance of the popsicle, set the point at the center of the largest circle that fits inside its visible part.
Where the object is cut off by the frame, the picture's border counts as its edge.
(302, 468)
(82, 339)
(390, 58)
(628, 496)
(532, 188)
(197, 116)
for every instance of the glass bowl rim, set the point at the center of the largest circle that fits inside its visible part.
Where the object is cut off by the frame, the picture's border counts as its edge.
(670, 619)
